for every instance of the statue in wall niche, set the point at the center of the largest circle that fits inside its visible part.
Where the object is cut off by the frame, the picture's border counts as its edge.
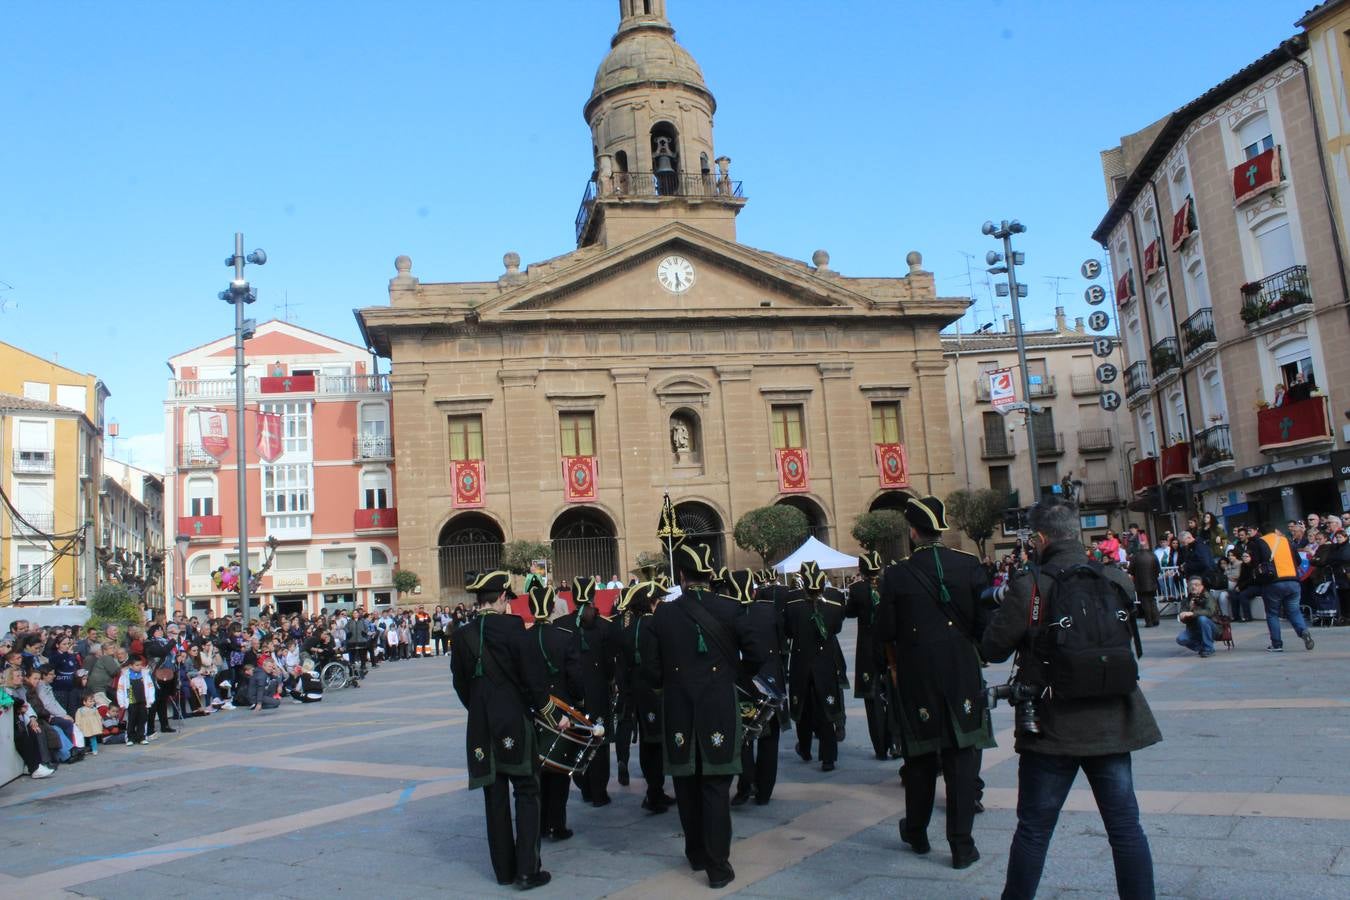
(680, 440)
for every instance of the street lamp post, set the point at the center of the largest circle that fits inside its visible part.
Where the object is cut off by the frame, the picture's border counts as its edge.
(351, 557)
(1011, 260)
(181, 542)
(238, 294)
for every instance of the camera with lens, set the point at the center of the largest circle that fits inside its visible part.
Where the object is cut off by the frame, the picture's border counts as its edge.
(1022, 698)
(992, 597)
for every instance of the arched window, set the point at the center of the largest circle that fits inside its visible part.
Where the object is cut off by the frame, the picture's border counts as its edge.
(470, 542)
(585, 542)
(665, 149)
(378, 557)
(200, 564)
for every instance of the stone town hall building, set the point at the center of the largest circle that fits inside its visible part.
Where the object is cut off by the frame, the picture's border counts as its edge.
(560, 401)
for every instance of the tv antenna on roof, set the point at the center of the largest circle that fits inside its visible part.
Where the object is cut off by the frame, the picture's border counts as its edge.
(286, 306)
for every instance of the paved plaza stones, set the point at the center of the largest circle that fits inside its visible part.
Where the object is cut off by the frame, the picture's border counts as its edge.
(364, 795)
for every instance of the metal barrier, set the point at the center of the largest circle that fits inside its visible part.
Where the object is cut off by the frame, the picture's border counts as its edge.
(1171, 590)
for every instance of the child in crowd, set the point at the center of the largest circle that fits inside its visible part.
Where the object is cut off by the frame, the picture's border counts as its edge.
(89, 722)
(136, 694)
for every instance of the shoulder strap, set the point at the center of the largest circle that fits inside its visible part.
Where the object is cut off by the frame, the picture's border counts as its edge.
(488, 664)
(937, 592)
(709, 626)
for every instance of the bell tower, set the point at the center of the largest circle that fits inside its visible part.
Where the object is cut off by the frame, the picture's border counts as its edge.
(651, 120)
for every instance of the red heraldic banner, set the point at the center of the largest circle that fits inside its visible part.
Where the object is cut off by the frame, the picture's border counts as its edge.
(578, 478)
(792, 477)
(893, 465)
(269, 437)
(467, 474)
(215, 431)
(1256, 174)
(1152, 259)
(1182, 224)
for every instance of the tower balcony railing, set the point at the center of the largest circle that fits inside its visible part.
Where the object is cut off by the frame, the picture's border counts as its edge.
(1197, 334)
(1136, 379)
(641, 185)
(223, 388)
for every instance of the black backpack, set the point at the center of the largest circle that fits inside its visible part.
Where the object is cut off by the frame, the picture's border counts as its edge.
(1087, 637)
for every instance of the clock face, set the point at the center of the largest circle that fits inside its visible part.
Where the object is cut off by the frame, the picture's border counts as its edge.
(675, 273)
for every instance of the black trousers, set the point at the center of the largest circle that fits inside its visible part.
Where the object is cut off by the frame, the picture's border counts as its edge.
(623, 739)
(814, 722)
(879, 725)
(553, 790)
(1148, 605)
(759, 765)
(33, 747)
(515, 851)
(960, 769)
(653, 766)
(705, 816)
(594, 779)
(137, 716)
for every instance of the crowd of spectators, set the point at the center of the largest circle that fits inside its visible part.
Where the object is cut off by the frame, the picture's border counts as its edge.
(76, 689)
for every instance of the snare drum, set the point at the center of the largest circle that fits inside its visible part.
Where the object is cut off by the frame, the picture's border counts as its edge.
(566, 750)
(757, 707)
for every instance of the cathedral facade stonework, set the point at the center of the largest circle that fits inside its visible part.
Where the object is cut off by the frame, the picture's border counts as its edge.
(560, 402)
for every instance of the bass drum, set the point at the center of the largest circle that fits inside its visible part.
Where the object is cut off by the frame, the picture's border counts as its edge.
(566, 750)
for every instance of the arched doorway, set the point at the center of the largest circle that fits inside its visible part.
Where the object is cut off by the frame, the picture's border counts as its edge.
(703, 525)
(898, 548)
(815, 515)
(584, 543)
(470, 542)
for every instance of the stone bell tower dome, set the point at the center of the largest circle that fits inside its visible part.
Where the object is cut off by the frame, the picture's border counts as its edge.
(651, 120)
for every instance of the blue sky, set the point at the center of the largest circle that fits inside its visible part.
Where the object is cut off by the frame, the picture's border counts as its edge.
(141, 136)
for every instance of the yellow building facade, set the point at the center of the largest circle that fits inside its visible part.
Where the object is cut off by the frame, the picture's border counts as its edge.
(51, 451)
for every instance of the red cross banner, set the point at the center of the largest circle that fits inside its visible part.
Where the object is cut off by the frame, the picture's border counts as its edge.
(1152, 259)
(792, 476)
(1256, 174)
(1183, 224)
(467, 474)
(578, 478)
(893, 465)
(1125, 287)
(269, 437)
(215, 431)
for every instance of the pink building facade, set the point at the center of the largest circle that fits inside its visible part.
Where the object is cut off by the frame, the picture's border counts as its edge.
(328, 496)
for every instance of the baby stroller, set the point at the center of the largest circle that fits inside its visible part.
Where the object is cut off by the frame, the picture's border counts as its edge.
(1325, 606)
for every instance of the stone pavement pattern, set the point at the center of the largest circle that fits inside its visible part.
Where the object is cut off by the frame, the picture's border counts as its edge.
(364, 795)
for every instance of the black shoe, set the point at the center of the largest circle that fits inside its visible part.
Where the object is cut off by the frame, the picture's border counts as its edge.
(603, 801)
(697, 865)
(560, 834)
(167, 730)
(762, 801)
(655, 807)
(918, 842)
(722, 879)
(965, 859)
(741, 798)
(804, 753)
(529, 882)
(1308, 639)
(979, 807)
(667, 799)
(827, 767)
(623, 774)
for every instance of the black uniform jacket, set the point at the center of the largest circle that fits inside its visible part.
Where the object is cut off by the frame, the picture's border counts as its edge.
(502, 700)
(815, 659)
(868, 664)
(595, 647)
(642, 697)
(767, 623)
(698, 681)
(940, 690)
(556, 645)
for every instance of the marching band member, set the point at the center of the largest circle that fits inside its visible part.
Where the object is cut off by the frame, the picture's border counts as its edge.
(556, 645)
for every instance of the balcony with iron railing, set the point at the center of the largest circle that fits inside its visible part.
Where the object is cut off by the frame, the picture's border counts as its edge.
(194, 456)
(646, 185)
(1198, 338)
(1095, 440)
(1277, 298)
(223, 388)
(1086, 385)
(373, 446)
(33, 521)
(34, 462)
(1100, 493)
(1213, 449)
(1165, 357)
(996, 447)
(32, 585)
(1048, 443)
(1042, 386)
(1136, 380)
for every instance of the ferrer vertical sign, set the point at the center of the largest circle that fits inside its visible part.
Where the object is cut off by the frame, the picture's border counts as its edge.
(1002, 388)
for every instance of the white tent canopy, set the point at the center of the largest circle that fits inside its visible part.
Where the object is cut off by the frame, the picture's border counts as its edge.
(820, 553)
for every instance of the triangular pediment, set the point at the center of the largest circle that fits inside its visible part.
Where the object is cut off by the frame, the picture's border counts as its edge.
(729, 279)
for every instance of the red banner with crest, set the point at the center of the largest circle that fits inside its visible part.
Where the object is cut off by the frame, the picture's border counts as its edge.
(467, 475)
(578, 478)
(1257, 174)
(214, 428)
(892, 465)
(792, 474)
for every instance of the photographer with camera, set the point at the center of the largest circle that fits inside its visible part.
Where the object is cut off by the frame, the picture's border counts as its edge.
(1070, 624)
(1200, 618)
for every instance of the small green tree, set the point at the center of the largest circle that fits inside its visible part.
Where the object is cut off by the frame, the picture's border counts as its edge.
(976, 512)
(882, 528)
(517, 555)
(406, 581)
(650, 561)
(770, 531)
(113, 604)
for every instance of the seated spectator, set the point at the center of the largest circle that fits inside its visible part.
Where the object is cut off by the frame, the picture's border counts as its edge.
(243, 691)
(309, 688)
(265, 686)
(1202, 608)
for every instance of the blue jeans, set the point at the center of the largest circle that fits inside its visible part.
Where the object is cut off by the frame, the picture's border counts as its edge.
(1198, 635)
(1043, 783)
(1283, 595)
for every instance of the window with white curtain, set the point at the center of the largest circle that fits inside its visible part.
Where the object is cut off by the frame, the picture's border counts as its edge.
(1275, 245)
